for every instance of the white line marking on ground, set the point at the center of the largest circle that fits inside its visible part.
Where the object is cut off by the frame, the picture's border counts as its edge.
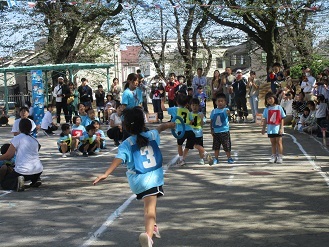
(3, 193)
(315, 167)
(118, 211)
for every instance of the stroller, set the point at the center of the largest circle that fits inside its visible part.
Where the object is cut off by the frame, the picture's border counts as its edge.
(233, 117)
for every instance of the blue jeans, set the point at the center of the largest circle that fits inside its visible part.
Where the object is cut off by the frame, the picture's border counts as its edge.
(253, 100)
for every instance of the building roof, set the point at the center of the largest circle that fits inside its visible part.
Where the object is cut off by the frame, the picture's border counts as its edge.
(130, 55)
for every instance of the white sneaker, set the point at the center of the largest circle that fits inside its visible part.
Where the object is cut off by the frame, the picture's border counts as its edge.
(279, 160)
(273, 158)
(207, 156)
(145, 240)
(201, 162)
(64, 156)
(20, 184)
(156, 232)
(181, 163)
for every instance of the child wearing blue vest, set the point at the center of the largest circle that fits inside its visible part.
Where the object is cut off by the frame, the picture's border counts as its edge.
(220, 129)
(66, 141)
(273, 118)
(88, 141)
(189, 136)
(143, 157)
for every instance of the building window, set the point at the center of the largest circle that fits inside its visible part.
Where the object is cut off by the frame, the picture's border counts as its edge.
(219, 63)
(242, 60)
(233, 60)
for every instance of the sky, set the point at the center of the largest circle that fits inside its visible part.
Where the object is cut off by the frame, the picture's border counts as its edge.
(7, 41)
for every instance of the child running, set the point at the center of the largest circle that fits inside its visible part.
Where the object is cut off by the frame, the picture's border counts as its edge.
(273, 118)
(189, 135)
(66, 141)
(197, 125)
(220, 128)
(145, 172)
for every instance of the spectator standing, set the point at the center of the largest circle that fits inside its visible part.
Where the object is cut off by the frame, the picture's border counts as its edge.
(171, 89)
(60, 93)
(216, 87)
(286, 104)
(274, 76)
(100, 103)
(228, 80)
(115, 89)
(199, 80)
(240, 91)
(85, 92)
(253, 86)
(308, 84)
(72, 101)
(157, 95)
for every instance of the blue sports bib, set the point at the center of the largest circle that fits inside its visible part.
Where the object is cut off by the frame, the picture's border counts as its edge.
(147, 158)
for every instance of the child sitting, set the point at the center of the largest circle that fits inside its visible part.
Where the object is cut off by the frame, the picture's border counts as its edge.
(91, 117)
(77, 131)
(6, 166)
(302, 119)
(4, 119)
(89, 142)
(66, 141)
(82, 112)
(100, 136)
(47, 122)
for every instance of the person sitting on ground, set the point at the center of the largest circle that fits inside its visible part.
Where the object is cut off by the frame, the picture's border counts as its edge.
(6, 166)
(27, 163)
(82, 112)
(4, 118)
(91, 117)
(302, 119)
(77, 130)
(47, 124)
(115, 129)
(23, 113)
(89, 142)
(31, 109)
(310, 123)
(100, 136)
(298, 106)
(66, 141)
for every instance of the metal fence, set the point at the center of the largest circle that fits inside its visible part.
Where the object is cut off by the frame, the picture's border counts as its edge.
(20, 99)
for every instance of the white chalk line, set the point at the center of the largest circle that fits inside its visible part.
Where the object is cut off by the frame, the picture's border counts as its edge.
(118, 212)
(315, 167)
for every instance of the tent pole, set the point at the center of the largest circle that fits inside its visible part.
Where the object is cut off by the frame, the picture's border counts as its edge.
(6, 92)
(108, 79)
(46, 81)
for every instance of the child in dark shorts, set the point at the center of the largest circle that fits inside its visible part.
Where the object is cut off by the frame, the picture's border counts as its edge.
(219, 126)
(144, 171)
(88, 141)
(66, 141)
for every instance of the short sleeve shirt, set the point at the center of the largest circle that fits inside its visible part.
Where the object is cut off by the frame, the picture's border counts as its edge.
(273, 116)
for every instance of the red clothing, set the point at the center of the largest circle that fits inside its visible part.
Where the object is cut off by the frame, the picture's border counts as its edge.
(171, 89)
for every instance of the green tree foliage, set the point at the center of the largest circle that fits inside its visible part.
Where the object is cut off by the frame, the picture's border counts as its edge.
(263, 22)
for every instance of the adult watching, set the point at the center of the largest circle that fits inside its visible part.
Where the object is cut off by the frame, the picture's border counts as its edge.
(28, 166)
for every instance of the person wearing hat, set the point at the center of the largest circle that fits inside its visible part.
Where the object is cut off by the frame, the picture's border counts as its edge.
(239, 87)
(60, 93)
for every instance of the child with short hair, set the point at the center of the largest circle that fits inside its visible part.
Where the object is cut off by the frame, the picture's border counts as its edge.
(273, 118)
(91, 117)
(100, 96)
(77, 130)
(220, 129)
(89, 142)
(189, 135)
(110, 106)
(100, 136)
(145, 172)
(6, 166)
(202, 98)
(66, 141)
(82, 112)
(47, 124)
(197, 125)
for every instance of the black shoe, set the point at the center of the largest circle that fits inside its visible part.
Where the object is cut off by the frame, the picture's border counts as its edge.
(36, 184)
(85, 154)
(91, 153)
(116, 144)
